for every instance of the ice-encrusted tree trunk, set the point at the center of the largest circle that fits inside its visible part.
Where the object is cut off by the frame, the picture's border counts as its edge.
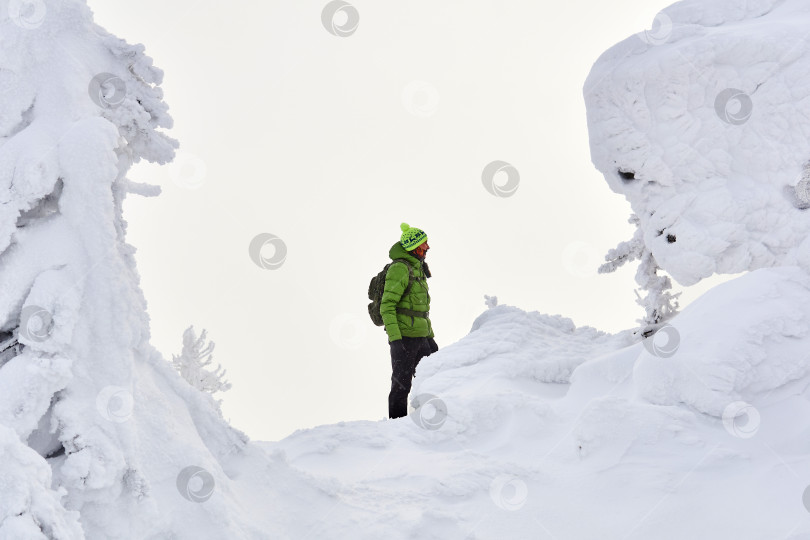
(659, 303)
(97, 430)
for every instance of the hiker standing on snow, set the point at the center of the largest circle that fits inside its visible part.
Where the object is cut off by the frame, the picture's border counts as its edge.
(404, 309)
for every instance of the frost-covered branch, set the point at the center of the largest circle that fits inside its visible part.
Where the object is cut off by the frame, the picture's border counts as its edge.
(193, 364)
(626, 251)
(659, 303)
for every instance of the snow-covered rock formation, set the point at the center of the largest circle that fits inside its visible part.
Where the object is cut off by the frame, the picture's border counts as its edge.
(702, 124)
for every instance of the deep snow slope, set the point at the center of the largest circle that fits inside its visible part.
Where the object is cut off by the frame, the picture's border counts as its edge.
(531, 428)
(702, 124)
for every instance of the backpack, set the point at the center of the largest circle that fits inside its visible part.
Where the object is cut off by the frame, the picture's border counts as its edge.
(376, 287)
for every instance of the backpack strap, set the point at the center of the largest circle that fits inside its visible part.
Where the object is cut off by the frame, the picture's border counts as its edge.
(410, 275)
(412, 313)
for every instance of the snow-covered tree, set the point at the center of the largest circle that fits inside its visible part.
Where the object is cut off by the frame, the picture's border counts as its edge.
(659, 303)
(97, 430)
(193, 362)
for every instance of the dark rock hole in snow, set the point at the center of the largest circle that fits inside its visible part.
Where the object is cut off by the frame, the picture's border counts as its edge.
(626, 175)
(56, 453)
(671, 238)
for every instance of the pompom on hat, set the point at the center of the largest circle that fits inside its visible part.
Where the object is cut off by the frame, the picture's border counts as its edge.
(411, 237)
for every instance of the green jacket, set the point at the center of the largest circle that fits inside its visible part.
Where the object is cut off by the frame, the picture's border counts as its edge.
(417, 299)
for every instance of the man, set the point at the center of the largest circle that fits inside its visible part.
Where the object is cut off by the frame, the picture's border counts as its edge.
(404, 311)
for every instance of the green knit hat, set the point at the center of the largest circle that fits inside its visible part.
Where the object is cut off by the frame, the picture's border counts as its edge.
(411, 237)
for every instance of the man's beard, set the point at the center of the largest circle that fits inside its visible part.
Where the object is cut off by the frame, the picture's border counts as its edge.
(421, 259)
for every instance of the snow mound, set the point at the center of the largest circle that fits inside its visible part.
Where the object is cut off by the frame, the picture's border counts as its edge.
(531, 353)
(712, 424)
(747, 341)
(701, 123)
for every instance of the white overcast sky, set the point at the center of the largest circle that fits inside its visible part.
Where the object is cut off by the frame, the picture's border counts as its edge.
(329, 143)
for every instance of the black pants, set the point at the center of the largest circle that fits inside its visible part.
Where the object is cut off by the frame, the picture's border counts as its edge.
(403, 369)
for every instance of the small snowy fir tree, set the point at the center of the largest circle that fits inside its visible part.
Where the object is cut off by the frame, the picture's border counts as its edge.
(659, 304)
(193, 364)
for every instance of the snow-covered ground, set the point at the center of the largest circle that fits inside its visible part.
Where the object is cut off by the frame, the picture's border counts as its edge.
(527, 427)
(535, 429)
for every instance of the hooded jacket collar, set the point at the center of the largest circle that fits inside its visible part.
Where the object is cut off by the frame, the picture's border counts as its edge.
(399, 252)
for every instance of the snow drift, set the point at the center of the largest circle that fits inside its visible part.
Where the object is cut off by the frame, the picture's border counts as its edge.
(531, 428)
